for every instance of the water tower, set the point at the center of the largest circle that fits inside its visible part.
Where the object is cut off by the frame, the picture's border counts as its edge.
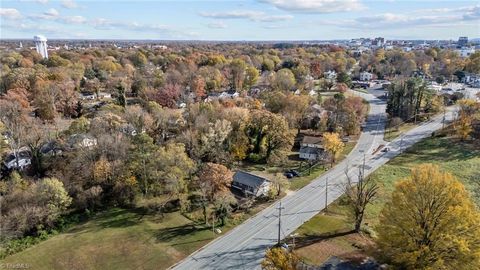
(41, 45)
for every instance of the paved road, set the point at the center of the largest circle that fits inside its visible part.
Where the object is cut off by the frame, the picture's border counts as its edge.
(244, 246)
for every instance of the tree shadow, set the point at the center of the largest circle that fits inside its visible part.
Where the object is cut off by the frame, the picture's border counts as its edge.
(169, 234)
(311, 239)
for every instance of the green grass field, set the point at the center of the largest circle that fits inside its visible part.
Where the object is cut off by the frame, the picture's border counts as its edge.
(462, 159)
(118, 239)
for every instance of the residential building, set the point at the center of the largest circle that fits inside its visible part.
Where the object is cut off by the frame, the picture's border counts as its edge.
(77, 141)
(466, 51)
(472, 79)
(366, 76)
(251, 184)
(330, 75)
(462, 41)
(24, 160)
(311, 148)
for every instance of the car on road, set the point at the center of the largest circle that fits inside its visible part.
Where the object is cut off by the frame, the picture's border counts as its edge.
(385, 150)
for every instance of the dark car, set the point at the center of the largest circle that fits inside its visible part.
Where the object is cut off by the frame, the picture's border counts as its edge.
(288, 175)
(385, 150)
(294, 172)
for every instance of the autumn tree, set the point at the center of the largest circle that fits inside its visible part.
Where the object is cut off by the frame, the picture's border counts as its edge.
(430, 222)
(463, 126)
(279, 183)
(223, 206)
(269, 133)
(238, 67)
(278, 258)
(333, 145)
(284, 80)
(198, 87)
(213, 179)
(359, 194)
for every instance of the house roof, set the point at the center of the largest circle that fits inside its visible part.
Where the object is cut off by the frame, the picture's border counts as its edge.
(248, 179)
(312, 140)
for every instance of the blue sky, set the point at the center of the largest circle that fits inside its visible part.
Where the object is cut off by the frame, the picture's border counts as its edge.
(240, 20)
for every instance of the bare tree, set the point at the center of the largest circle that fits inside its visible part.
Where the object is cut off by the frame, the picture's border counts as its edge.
(359, 194)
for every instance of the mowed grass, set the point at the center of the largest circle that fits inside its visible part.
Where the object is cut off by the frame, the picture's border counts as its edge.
(118, 239)
(322, 235)
(393, 133)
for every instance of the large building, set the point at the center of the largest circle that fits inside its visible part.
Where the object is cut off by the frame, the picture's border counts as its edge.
(462, 41)
(41, 45)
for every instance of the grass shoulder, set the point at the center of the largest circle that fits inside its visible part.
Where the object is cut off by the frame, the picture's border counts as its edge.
(330, 234)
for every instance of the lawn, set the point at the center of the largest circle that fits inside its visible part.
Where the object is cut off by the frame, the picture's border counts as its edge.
(124, 239)
(327, 234)
(393, 133)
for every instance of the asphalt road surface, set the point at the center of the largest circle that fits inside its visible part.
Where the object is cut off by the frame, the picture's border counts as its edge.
(244, 246)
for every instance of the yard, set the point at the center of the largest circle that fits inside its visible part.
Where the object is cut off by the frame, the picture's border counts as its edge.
(122, 239)
(328, 234)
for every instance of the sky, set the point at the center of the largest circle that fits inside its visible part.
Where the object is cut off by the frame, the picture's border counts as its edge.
(240, 19)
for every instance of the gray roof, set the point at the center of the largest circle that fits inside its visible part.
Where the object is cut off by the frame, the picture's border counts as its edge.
(248, 179)
(312, 140)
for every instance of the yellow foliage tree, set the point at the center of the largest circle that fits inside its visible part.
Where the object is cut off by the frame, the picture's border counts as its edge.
(463, 126)
(333, 144)
(430, 223)
(279, 259)
(102, 170)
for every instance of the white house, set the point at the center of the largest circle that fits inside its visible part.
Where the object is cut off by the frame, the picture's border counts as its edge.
(466, 51)
(311, 148)
(366, 76)
(81, 141)
(23, 157)
(330, 75)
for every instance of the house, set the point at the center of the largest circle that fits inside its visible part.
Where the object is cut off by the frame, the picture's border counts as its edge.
(311, 148)
(311, 141)
(311, 153)
(366, 76)
(104, 95)
(330, 75)
(51, 148)
(229, 94)
(24, 160)
(77, 141)
(87, 96)
(471, 79)
(250, 184)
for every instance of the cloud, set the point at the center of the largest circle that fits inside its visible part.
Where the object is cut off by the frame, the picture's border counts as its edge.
(73, 19)
(217, 25)
(448, 18)
(43, 2)
(473, 14)
(164, 30)
(316, 6)
(10, 13)
(51, 12)
(70, 4)
(258, 16)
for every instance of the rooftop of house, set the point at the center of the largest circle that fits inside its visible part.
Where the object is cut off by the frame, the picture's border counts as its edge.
(248, 179)
(312, 140)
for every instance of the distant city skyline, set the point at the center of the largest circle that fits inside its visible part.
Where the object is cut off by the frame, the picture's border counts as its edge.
(239, 20)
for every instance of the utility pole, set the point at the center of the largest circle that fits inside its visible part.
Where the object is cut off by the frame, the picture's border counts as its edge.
(444, 114)
(213, 223)
(279, 221)
(326, 194)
